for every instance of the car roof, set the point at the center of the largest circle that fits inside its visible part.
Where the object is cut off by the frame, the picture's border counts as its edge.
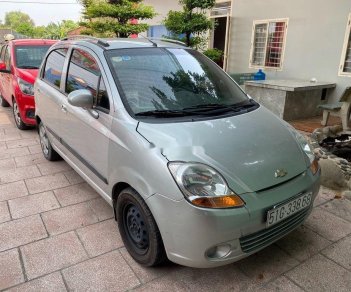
(122, 43)
(33, 42)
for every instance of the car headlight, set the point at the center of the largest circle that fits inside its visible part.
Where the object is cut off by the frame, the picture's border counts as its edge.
(308, 149)
(26, 87)
(203, 186)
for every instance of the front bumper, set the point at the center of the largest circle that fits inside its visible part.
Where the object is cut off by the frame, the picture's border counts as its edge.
(26, 106)
(190, 233)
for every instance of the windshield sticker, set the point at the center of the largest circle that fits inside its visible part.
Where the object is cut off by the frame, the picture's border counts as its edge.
(117, 59)
(126, 58)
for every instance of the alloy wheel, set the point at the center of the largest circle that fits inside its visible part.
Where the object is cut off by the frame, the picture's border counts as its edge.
(44, 141)
(16, 113)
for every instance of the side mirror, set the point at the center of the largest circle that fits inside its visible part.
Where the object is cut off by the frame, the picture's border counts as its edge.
(3, 68)
(81, 98)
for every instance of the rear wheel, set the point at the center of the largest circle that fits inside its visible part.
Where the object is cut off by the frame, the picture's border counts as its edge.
(49, 152)
(17, 116)
(3, 102)
(139, 230)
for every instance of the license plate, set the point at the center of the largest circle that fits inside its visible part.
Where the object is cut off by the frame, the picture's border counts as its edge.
(282, 212)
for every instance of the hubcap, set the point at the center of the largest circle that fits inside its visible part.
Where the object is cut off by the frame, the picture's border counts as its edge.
(16, 113)
(44, 141)
(136, 228)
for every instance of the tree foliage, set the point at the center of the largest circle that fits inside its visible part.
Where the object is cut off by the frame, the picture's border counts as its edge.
(191, 21)
(23, 24)
(14, 19)
(114, 17)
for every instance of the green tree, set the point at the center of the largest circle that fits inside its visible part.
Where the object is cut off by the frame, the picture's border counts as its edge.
(191, 21)
(14, 19)
(59, 30)
(113, 17)
(25, 29)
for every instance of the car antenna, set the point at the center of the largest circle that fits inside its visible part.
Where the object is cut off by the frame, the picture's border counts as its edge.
(153, 43)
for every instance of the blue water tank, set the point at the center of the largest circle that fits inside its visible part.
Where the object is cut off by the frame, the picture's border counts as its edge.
(260, 75)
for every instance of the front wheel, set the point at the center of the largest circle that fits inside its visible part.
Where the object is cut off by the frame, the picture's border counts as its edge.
(139, 230)
(49, 152)
(17, 116)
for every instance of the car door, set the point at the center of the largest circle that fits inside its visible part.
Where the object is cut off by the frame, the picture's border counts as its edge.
(48, 92)
(6, 78)
(2, 56)
(86, 138)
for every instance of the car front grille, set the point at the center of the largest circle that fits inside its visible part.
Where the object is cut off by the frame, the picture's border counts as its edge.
(264, 237)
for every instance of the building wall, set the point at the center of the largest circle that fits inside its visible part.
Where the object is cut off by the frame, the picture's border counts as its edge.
(315, 38)
(162, 7)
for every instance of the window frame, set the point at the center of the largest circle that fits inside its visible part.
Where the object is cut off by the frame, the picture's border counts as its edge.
(43, 67)
(268, 21)
(67, 65)
(344, 49)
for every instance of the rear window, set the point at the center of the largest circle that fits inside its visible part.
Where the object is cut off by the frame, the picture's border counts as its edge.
(30, 57)
(54, 66)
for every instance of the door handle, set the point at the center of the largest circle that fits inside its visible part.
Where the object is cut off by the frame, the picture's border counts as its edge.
(64, 108)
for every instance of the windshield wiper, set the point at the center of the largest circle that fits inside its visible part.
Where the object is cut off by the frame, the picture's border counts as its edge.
(209, 106)
(202, 109)
(163, 113)
(28, 67)
(212, 108)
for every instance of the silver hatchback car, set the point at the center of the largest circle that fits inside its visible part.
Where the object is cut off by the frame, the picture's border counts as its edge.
(195, 170)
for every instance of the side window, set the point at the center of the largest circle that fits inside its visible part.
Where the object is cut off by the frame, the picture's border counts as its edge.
(7, 58)
(84, 73)
(102, 100)
(54, 66)
(2, 53)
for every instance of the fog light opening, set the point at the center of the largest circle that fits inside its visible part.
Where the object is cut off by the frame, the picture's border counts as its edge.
(30, 114)
(219, 251)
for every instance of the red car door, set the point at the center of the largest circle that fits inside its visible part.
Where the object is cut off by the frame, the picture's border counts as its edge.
(6, 78)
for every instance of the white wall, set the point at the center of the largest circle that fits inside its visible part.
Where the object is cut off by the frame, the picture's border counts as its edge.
(162, 7)
(315, 38)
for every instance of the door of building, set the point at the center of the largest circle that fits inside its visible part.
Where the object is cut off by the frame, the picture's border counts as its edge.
(219, 37)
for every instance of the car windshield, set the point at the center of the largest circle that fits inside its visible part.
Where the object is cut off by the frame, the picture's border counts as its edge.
(30, 57)
(172, 81)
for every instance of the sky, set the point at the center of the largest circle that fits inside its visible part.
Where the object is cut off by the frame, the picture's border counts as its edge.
(43, 14)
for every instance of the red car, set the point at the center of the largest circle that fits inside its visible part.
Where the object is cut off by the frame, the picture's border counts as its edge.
(19, 65)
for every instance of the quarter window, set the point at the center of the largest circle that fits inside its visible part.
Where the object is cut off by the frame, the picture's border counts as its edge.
(54, 66)
(84, 73)
(345, 66)
(268, 44)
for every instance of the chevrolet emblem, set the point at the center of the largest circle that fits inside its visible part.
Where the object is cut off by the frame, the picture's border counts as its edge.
(280, 173)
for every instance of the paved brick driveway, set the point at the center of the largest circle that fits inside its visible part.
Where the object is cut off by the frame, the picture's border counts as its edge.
(57, 234)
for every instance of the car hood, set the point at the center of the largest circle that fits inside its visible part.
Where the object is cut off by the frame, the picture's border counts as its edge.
(246, 149)
(28, 75)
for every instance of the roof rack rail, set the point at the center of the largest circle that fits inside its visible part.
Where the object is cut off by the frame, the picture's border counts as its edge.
(99, 41)
(148, 39)
(169, 41)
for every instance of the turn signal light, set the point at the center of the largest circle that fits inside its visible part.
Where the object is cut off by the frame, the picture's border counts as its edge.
(314, 166)
(219, 202)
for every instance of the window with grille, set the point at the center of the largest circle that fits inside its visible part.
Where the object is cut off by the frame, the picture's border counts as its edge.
(345, 66)
(268, 43)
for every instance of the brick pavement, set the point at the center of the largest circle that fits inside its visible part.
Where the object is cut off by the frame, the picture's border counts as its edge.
(57, 234)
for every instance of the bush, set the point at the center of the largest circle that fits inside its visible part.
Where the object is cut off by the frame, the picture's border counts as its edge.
(214, 54)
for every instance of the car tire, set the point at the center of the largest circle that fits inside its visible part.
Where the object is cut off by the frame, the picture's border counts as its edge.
(139, 230)
(17, 116)
(46, 147)
(3, 102)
